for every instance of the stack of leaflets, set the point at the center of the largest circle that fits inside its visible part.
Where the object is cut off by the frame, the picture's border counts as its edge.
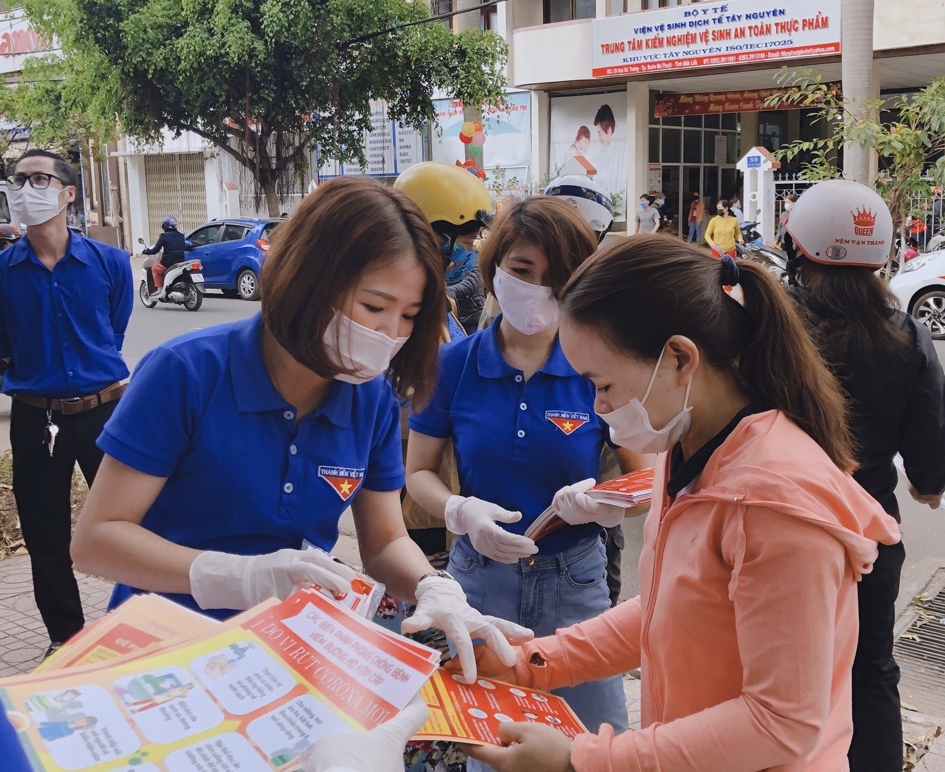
(154, 687)
(366, 593)
(628, 490)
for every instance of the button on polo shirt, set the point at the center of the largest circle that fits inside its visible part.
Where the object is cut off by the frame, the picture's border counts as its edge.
(517, 442)
(243, 476)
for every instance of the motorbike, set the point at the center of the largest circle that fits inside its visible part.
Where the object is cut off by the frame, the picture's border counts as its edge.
(771, 258)
(183, 284)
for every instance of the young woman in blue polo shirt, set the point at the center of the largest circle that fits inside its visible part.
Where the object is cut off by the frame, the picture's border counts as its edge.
(525, 433)
(234, 444)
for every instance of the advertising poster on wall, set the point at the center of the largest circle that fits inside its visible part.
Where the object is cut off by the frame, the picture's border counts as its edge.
(713, 34)
(389, 147)
(507, 135)
(592, 129)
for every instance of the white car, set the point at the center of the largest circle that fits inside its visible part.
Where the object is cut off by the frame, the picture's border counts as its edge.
(920, 287)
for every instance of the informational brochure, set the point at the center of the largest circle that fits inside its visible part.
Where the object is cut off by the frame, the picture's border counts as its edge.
(471, 713)
(366, 593)
(627, 491)
(252, 695)
(140, 624)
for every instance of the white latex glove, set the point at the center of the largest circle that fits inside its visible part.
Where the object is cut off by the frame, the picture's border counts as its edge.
(575, 507)
(221, 580)
(441, 603)
(477, 518)
(379, 750)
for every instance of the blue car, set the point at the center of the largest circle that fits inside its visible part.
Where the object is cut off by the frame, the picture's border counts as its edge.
(232, 252)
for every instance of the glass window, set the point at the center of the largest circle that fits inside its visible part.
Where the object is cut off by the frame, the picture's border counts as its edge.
(708, 144)
(234, 232)
(730, 183)
(731, 148)
(653, 121)
(557, 10)
(711, 121)
(710, 187)
(616, 7)
(693, 121)
(673, 120)
(203, 236)
(654, 145)
(5, 208)
(730, 121)
(692, 146)
(671, 150)
(585, 9)
(267, 231)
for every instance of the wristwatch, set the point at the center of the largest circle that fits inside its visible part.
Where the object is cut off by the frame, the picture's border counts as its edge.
(440, 573)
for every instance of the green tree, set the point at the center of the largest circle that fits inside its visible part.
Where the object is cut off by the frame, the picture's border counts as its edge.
(910, 141)
(52, 112)
(265, 80)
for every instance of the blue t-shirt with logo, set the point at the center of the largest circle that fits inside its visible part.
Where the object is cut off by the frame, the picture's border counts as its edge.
(243, 476)
(517, 442)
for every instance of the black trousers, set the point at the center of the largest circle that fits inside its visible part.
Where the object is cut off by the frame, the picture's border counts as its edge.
(613, 545)
(877, 720)
(42, 486)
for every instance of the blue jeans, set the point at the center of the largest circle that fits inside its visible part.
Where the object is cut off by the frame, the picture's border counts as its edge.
(694, 232)
(546, 594)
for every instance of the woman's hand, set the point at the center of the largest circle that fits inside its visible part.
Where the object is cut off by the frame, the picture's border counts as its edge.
(932, 499)
(477, 518)
(442, 603)
(575, 507)
(379, 750)
(488, 664)
(221, 580)
(528, 748)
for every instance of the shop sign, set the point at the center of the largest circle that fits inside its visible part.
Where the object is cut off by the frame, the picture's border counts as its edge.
(715, 34)
(716, 102)
(18, 40)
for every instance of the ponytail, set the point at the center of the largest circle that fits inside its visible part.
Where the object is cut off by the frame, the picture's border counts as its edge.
(641, 291)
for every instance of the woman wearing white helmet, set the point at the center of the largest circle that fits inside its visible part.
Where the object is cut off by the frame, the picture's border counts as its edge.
(839, 234)
(590, 199)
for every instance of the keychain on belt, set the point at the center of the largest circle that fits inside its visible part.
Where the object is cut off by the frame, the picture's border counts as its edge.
(49, 434)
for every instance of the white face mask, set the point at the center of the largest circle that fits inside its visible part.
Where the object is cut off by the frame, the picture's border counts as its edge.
(356, 347)
(529, 308)
(630, 425)
(34, 207)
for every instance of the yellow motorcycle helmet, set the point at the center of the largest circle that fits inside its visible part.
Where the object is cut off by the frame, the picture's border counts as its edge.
(447, 195)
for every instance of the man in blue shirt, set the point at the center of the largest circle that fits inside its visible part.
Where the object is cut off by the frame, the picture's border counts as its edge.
(65, 302)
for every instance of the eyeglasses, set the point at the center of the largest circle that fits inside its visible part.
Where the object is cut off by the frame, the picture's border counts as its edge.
(37, 180)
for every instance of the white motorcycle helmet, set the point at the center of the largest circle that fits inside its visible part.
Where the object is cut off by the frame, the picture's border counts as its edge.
(839, 222)
(589, 197)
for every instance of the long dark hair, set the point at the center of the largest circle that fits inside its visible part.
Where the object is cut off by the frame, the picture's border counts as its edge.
(641, 291)
(851, 313)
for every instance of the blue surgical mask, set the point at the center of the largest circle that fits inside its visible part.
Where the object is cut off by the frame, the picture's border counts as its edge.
(462, 261)
(643, 205)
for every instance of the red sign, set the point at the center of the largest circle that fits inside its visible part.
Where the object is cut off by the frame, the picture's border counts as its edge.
(717, 102)
(22, 41)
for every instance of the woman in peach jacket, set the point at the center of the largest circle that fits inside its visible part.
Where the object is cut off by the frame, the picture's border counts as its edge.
(746, 625)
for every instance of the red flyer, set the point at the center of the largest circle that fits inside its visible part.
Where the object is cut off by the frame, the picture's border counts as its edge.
(471, 713)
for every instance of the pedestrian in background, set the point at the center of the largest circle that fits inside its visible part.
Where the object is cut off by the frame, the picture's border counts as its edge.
(723, 231)
(789, 201)
(887, 364)
(648, 218)
(696, 216)
(65, 301)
